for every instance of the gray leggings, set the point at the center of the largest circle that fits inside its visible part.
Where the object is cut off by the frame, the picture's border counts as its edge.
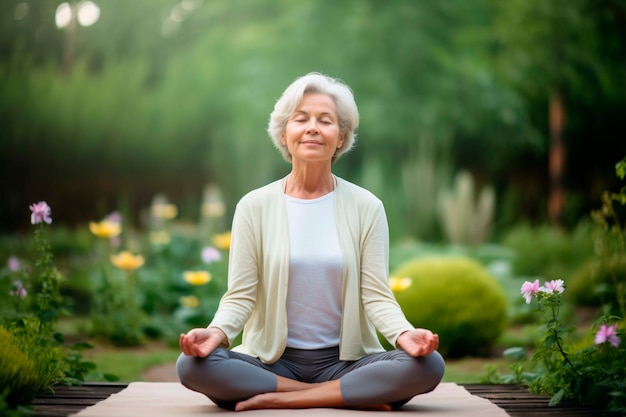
(393, 377)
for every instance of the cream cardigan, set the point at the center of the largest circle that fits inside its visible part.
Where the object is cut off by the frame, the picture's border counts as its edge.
(259, 270)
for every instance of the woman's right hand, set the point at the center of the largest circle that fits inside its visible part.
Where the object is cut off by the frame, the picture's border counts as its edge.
(201, 342)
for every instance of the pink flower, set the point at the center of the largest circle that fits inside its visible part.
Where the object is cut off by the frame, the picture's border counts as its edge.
(14, 264)
(529, 289)
(40, 213)
(607, 334)
(553, 286)
(210, 254)
(18, 289)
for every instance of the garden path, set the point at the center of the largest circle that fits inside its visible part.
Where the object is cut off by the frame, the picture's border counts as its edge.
(161, 373)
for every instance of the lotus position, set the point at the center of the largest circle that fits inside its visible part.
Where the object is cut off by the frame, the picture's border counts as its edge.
(308, 282)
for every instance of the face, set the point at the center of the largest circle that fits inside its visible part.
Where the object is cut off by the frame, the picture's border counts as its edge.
(312, 132)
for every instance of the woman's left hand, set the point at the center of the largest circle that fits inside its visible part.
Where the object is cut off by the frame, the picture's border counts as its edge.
(418, 342)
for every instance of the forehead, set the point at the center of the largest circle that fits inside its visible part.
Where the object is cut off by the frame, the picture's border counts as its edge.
(316, 102)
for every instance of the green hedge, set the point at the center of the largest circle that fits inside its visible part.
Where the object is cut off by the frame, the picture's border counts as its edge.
(456, 298)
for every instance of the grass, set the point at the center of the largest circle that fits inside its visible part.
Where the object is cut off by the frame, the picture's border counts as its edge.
(130, 364)
(471, 370)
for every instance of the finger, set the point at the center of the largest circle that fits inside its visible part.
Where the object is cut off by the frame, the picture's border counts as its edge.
(184, 344)
(189, 343)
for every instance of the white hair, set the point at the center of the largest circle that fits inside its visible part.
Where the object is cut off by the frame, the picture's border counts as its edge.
(314, 82)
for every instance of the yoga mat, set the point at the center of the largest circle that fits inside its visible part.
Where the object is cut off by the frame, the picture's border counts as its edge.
(171, 399)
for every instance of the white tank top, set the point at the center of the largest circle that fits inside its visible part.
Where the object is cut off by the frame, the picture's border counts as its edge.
(315, 274)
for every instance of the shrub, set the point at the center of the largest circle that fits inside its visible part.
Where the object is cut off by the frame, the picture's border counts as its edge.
(456, 298)
(547, 251)
(27, 366)
(18, 374)
(594, 282)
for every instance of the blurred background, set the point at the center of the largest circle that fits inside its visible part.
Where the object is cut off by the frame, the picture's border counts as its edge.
(104, 108)
(492, 131)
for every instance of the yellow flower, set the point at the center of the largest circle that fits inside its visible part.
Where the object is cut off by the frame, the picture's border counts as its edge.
(127, 261)
(164, 211)
(400, 284)
(222, 241)
(190, 301)
(213, 209)
(197, 277)
(160, 237)
(105, 229)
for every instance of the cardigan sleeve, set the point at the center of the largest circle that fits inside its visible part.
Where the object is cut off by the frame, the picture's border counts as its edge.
(239, 300)
(378, 300)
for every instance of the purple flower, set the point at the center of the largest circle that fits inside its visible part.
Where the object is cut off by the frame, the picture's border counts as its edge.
(40, 213)
(114, 217)
(607, 334)
(529, 289)
(14, 264)
(18, 289)
(553, 286)
(210, 254)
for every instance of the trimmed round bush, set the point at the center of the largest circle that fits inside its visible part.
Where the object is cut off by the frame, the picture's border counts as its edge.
(456, 298)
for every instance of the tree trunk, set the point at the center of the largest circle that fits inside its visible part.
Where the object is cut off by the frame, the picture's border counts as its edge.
(556, 200)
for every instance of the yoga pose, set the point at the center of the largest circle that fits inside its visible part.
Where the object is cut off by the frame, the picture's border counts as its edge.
(308, 282)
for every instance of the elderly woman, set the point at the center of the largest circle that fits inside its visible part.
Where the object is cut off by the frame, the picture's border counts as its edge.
(308, 282)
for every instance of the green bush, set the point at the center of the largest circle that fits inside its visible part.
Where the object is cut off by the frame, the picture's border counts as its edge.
(19, 378)
(547, 251)
(595, 282)
(456, 298)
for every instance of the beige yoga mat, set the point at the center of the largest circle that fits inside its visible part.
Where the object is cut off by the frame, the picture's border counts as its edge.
(171, 399)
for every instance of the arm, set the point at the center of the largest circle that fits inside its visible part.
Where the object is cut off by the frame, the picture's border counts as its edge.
(236, 305)
(238, 302)
(378, 299)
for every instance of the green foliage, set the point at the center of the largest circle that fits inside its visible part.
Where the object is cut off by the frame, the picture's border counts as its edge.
(588, 374)
(162, 101)
(19, 378)
(117, 316)
(610, 245)
(153, 301)
(29, 324)
(466, 217)
(592, 375)
(448, 295)
(594, 283)
(548, 251)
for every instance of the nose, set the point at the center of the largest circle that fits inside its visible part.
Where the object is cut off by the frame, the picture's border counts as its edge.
(311, 128)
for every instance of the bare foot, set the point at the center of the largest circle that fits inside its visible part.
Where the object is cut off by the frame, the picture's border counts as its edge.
(258, 402)
(375, 407)
(273, 401)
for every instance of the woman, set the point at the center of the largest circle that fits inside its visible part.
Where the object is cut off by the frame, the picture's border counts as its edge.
(308, 282)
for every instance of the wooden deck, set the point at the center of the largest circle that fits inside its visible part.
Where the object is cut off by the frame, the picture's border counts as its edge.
(514, 399)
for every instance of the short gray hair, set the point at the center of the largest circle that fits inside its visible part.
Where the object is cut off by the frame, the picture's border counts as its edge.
(315, 82)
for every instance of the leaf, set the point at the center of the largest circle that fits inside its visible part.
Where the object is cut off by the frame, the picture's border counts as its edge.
(514, 353)
(620, 169)
(81, 346)
(111, 377)
(556, 398)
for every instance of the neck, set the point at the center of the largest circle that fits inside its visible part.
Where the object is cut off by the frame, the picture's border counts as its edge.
(309, 183)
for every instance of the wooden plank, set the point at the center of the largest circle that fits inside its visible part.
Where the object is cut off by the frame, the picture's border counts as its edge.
(518, 402)
(66, 400)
